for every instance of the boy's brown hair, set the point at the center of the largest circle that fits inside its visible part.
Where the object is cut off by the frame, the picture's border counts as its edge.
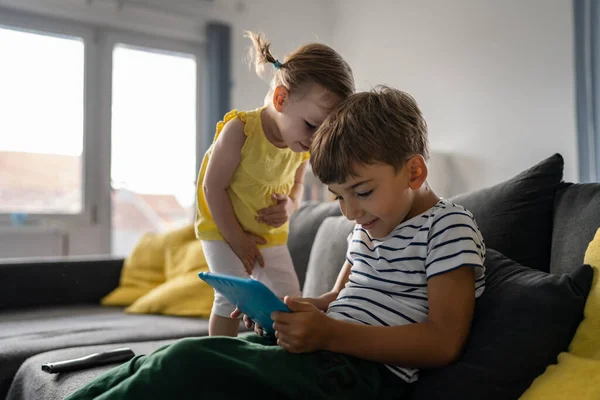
(311, 63)
(384, 125)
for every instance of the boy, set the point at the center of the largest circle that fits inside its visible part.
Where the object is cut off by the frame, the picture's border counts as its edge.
(403, 300)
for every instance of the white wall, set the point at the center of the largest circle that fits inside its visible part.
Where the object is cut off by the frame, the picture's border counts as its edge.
(495, 79)
(287, 24)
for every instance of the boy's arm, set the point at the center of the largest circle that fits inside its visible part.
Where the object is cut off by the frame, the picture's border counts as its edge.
(433, 343)
(455, 251)
(322, 302)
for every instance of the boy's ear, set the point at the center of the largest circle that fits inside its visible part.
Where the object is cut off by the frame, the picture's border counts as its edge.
(417, 171)
(280, 96)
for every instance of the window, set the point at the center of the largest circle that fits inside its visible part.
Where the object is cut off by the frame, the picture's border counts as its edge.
(41, 129)
(97, 135)
(153, 156)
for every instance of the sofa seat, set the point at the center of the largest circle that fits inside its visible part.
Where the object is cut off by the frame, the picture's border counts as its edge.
(32, 383)
(33, 331)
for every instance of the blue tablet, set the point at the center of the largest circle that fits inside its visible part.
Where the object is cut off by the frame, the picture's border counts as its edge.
(252, 297)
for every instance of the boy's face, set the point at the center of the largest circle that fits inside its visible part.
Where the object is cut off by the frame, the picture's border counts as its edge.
(379, 198)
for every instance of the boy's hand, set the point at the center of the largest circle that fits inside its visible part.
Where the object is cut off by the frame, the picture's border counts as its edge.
(303, 330)
(278, 214)
(245, 248)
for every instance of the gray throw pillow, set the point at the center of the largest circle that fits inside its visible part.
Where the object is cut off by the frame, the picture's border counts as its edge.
(327, 256)
(576, 219)
(515, 216)
(303, 227)
(523, 320)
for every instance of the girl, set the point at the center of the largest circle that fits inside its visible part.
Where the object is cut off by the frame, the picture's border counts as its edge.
(251, 179)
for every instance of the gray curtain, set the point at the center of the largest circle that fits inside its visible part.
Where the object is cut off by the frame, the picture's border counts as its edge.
(218, 78)
(587, 70)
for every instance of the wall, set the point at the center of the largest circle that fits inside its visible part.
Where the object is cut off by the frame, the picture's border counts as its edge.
(495, 79)
(287, 24)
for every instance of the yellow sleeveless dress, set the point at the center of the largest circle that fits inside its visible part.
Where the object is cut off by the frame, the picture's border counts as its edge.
(264, 169)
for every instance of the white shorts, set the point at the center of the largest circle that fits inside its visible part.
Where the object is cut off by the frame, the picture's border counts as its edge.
(278, 274)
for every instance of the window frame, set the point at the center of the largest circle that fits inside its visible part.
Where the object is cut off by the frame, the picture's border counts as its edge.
(108, 39)
(53, 27)
(99, 42)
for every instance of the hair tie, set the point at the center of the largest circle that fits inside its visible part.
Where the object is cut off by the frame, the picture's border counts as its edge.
(276, 64)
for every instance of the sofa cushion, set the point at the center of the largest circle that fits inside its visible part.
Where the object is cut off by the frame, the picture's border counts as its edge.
(571, 377)
(31, 383)
(183, 294)
(515, 216)
(31, 332)
(304, 224)
(576, 219)
(144, 268)
(523, 320)
(327, 256)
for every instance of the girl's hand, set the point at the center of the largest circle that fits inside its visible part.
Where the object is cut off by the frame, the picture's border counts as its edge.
(248, 322)
(245, 248)
(303, 330)
(279, 213)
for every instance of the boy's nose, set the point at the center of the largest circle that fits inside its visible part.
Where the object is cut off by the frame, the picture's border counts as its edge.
(351, 210)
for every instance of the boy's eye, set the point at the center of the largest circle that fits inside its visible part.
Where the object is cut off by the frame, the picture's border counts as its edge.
(310, 126)
(364, 194)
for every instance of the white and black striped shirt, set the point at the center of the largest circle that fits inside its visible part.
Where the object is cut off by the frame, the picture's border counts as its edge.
(388, 279)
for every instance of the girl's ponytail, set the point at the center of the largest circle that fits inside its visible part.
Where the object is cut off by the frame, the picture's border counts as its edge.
(313, 63)
(260, 53)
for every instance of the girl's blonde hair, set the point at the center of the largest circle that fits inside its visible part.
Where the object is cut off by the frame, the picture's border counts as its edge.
(311, 63)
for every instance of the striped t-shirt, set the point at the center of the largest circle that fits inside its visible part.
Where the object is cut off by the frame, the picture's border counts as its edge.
(388, 279)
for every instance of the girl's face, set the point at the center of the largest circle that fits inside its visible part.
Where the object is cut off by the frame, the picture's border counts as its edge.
(300, 114)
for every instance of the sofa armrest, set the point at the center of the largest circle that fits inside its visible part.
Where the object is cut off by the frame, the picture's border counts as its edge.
(36, 282)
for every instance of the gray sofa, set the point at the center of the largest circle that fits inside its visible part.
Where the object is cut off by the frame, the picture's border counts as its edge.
(49, 308)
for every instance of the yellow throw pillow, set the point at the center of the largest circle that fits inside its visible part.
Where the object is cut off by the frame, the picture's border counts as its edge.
(576, 376)
(144, 269)
(183, 294)
(184, 258)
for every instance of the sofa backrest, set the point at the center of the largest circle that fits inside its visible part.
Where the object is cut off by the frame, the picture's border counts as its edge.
(303, 228)
(320, 242)
(576, 220)
(327, 256)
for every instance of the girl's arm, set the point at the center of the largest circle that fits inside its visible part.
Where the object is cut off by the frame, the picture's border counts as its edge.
(287, 204)
(297, 192)
(225, 158)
